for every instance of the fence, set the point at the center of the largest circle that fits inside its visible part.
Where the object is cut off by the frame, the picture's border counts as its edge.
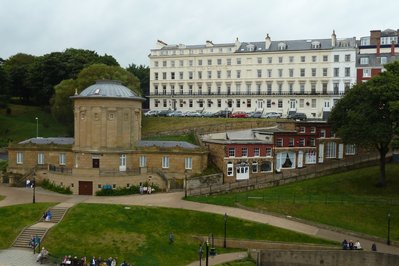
(289, 176)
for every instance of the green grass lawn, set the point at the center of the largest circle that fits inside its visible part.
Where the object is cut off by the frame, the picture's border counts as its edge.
(187, 137)
(14, 218)
(243, 262)
(347, 200)
(140, 234)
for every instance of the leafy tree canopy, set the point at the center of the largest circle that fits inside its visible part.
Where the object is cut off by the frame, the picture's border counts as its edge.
(368, 114)
(61, 104)
(17, 69)
(143, 74)
(50, 69)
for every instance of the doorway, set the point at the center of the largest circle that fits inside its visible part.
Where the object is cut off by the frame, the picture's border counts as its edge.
(85, 188)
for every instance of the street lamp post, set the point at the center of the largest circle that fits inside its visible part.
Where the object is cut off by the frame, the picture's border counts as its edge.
(185, 184)
(34, 188)
(37, 127)
(225, 230)
(200, 254)
(389, 229)
(207, 252)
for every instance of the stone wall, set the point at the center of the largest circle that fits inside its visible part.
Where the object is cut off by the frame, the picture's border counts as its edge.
(323, 257)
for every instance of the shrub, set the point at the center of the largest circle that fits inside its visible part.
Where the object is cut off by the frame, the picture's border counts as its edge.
(122, 191)
(56, 188)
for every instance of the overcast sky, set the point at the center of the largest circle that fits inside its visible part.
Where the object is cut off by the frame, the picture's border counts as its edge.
(128, 29)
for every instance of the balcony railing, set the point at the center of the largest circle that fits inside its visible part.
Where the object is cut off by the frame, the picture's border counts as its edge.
(60, 169)
(262, 93)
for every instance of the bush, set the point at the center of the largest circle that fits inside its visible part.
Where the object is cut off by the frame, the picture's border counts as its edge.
(122, 191)
(53, 187)
(3, 166)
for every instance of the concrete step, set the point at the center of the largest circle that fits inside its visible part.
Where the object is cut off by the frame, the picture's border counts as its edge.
(57, 213)
(25, 237)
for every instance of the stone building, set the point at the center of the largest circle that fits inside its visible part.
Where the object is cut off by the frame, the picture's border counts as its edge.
(107, 150)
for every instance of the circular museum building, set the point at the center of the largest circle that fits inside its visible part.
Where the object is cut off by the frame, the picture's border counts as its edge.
(107, 150)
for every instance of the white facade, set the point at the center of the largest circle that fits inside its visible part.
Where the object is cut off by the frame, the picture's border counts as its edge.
(267, 76)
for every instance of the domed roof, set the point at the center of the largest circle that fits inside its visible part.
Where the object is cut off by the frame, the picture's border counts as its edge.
(108, 89)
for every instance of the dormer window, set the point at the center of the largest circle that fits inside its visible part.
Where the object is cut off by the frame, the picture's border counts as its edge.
(97, 91)
(316, 45)
(250, 47)
(282, 46)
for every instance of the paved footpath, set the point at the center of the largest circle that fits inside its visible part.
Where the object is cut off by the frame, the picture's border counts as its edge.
(174, 200)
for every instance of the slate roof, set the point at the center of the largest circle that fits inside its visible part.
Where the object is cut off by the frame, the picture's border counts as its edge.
(109, 89)
(292, 45)
(46, 141)
(166, 144)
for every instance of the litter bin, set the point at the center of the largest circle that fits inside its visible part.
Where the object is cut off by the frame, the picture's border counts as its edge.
(212, 252)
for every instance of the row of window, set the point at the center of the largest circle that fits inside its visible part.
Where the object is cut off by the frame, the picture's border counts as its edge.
(190, 75)
(263, 167)
(244, 152)
(383, 40)
(365, 60)
(331, 148)
(238, 103)
(238, 61)
(188, 161)
(40, 158)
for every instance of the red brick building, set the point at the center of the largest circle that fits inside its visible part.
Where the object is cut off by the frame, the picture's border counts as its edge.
(257, 152)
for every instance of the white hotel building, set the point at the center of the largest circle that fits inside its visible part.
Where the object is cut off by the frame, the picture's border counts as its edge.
(306, 76)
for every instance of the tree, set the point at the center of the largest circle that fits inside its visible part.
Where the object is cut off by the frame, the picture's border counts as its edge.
(17, 68)
(143, 74)
(50, 69)
(366, 115)
(61, 104)
(4, 91)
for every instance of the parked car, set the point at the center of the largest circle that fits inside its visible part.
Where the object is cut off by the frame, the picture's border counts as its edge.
(257, 114)
(239, 115)
(297, 116)
(193, 114)
(206, 114)
(272, 115)
(222, 113)
(151, 113)
(164, 112)
(176, 113)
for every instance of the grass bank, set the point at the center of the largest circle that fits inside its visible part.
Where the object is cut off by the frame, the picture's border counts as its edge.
(349, 200)
(140, 235)
(14, 218)
(20, 124)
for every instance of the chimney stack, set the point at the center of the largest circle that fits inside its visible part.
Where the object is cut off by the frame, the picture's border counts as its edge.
(268, 41)
(393, 48)
(333, 39)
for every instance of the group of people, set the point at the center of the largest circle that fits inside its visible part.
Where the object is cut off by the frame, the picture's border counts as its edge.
(29, 184)
(145, 190)
(348, 245)
(94, 261)
(47, 215)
